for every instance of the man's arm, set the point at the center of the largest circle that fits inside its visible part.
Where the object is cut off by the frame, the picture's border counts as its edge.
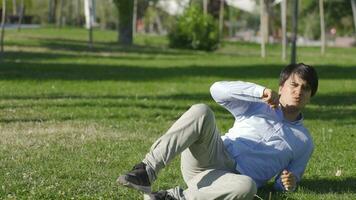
(236, 96)
(288, 179)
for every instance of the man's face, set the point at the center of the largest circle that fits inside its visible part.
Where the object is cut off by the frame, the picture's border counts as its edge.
(295, 93)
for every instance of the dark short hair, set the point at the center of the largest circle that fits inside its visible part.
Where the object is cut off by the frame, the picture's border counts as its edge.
(305, 72)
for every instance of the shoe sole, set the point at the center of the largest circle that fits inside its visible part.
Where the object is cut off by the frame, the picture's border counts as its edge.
(122, 180)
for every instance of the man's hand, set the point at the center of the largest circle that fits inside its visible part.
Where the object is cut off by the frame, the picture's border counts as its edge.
(270, 97)
(288, 180)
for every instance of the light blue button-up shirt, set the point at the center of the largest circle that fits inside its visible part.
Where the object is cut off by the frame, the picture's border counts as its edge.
(261, 141)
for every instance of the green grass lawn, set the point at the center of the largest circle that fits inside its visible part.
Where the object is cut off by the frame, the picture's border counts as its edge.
(73, 119)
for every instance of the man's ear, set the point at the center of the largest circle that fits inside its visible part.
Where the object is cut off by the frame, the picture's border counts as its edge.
(280, 90)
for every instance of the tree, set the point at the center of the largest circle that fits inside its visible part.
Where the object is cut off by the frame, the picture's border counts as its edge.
(353, 5)
(195, 30)
(284, 28)
(294, 32)
(263, 27)
(14, 7)
(337, 15)
(205, 6)
(221, 19)
(60, 17)
(77, 12)
(21, 14)
(52, 7)
(322, 26)
(134, 17)
(125, 9)
(3, 26)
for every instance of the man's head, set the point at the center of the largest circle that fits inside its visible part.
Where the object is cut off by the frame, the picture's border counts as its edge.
(297, 83)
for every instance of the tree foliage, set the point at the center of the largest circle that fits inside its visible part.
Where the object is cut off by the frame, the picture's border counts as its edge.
(194, 30)
(338, 14)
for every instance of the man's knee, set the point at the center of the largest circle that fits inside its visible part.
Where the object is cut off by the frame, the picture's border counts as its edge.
(202, 110)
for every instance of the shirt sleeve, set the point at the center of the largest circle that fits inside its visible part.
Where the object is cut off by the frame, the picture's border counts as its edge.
(236, 96)
(297, 167)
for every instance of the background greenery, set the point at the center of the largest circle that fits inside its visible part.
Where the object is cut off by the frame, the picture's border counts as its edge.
(338, 14)
(194, 30)
(72, 120)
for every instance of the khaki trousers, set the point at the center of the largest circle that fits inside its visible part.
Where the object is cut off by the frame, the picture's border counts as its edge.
(206, 166)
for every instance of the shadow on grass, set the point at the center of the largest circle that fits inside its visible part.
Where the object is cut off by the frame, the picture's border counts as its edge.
(335, 99)
(22, 120)
(40, 71)
(82, 46)
(168, 103)
(317, 186)
(48, 71)
(326, 185)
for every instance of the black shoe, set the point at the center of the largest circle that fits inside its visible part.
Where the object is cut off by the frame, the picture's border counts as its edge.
(137, 178)
(161, 195)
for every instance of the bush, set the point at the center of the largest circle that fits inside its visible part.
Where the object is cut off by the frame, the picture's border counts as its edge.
(194, 30)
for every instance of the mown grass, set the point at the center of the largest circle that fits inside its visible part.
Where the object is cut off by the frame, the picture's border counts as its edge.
(72, 119)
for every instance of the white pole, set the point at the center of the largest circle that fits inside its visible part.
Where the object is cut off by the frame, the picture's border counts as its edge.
(294, 31)
(134, 20)
(284, 29)
(262, 28)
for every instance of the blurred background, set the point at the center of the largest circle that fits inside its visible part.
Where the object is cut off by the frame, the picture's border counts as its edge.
(236, 19)
(86, 86)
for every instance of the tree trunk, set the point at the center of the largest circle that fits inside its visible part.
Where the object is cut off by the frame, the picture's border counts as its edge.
(262, 28)
(322, 27)
(267, 20)
(353, 5)
(284, 28)
(14, 7)
(60, 17)
(231, 22)
(22, 10)
(3, 17)
(77, 16)
(205, 7)
(294, 32)
(52, 7)
(134, 17)
(103, 14)
(221, 20)
(125, 8)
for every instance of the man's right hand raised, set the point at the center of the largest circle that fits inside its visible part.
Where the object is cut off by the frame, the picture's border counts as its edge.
(270, 97)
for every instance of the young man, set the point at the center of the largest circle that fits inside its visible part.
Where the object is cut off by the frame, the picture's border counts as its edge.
(267, 139)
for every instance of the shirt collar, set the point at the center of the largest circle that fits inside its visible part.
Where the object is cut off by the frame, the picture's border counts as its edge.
(298, 121)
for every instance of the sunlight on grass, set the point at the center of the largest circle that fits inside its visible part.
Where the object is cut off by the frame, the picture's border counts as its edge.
(72, 118)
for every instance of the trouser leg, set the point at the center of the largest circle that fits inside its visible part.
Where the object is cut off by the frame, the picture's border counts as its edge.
(206, 153)
(197, 130)
(220, 184)
(209, 171)
(216, 184)
(206, 166)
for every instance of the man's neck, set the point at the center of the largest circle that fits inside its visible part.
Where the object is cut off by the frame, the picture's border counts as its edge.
(290, 114)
